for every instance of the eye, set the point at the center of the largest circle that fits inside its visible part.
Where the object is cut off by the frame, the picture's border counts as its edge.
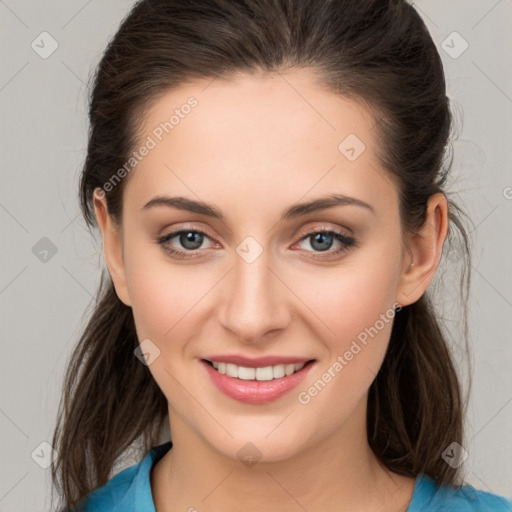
(322, 240)
(190, 239)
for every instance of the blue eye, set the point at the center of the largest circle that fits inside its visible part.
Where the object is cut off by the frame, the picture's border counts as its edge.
(322, 241)
(190, 238)
(191, 241)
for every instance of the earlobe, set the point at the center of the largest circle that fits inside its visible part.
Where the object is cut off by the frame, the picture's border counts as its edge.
(424, 251)
(112, 245)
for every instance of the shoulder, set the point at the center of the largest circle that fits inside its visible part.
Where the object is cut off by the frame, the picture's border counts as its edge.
(115, 490)
(129, 490)
(447, 498)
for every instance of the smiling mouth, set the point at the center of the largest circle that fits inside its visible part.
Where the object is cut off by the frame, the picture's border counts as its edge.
(264, 373)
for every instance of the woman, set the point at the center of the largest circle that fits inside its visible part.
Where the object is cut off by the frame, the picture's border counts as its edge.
(267, 177)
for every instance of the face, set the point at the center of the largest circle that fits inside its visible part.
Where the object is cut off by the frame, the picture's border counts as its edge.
(256, 276)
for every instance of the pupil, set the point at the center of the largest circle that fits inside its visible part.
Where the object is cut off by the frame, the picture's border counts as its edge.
(321, 237)
(191, 240)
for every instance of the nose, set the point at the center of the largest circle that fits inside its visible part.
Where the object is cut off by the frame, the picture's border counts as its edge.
(256, 300)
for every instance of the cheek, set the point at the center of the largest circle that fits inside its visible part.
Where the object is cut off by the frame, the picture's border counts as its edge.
(358, 309)
(171, 302)
(160, 293)
(351, 299)
(355, 304)
(168, 309)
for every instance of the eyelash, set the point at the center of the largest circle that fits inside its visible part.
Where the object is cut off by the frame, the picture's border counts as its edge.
(346, 242)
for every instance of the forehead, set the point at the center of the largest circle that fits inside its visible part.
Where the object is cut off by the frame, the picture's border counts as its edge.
(274, 134)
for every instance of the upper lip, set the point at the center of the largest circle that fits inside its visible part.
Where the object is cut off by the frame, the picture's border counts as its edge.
(256, 362)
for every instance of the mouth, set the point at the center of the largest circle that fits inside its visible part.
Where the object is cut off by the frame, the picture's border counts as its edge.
(256, 384)
(259, 373)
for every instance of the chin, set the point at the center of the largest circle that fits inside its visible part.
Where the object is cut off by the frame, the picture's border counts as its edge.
(251, 446)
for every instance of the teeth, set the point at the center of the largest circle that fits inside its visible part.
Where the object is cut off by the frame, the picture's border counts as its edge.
(244, 373)
(231, 370)
(289, 369)
(263, 373)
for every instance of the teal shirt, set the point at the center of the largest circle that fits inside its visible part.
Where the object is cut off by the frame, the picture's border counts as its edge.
(130, 491)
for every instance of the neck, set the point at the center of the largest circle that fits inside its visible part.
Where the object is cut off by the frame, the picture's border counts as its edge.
(340, 472)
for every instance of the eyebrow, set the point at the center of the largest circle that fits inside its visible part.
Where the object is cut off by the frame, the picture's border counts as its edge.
(296, 210)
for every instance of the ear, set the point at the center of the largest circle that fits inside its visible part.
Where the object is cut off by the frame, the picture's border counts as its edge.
(424, 252)
(112, 245)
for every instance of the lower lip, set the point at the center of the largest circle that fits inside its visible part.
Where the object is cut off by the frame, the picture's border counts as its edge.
(256, 391)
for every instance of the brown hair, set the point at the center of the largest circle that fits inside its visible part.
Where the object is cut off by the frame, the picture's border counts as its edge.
(378, 52)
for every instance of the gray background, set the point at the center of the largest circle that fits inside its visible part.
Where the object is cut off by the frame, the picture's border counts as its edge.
(43, 141)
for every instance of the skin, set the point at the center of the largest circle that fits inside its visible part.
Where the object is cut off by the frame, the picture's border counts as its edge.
(258, 134)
